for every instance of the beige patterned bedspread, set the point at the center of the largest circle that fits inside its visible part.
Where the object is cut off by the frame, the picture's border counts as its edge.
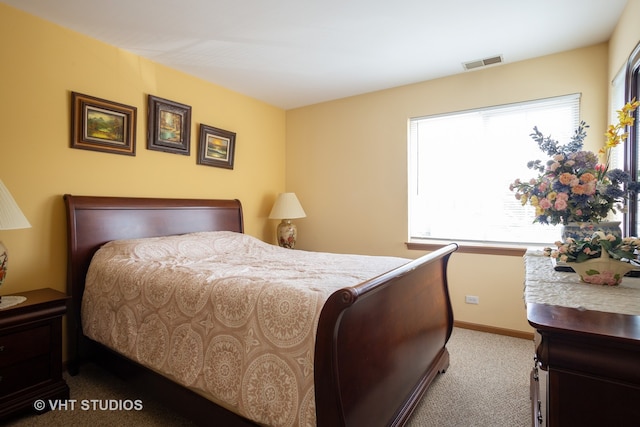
(222, 313)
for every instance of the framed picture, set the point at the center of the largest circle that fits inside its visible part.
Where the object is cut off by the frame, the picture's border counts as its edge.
(169, 126)
(216, 147)
(101, 125)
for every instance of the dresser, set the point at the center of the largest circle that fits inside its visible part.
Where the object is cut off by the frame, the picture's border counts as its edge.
(587, 348)
(31, 351)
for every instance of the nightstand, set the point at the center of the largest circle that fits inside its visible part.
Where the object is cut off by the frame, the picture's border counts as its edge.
(31, 351)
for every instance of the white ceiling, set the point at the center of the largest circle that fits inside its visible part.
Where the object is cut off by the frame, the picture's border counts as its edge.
(292, 53)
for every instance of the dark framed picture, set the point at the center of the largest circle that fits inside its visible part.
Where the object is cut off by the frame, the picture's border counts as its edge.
(101, 125)
(216, 147)
(169, 126)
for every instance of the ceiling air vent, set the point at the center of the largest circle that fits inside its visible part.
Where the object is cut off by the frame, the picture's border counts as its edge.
(471, 65)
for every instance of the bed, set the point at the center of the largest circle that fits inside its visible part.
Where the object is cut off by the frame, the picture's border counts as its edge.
(379, 343)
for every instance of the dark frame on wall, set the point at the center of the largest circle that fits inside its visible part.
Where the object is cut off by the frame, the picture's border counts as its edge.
(169, 126)
(101, 125)
(216, 147)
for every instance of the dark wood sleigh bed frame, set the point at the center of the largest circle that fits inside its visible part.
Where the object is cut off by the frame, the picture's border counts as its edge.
(379, 344)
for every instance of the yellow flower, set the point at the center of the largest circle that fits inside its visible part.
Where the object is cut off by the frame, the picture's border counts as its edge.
(625, 118)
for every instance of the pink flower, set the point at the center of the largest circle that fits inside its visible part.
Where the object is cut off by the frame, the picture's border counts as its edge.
(544, 203)
(604, 278)
(590, 188)
(560, 204)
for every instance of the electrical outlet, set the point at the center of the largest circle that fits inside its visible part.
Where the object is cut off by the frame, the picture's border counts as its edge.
(472, 299)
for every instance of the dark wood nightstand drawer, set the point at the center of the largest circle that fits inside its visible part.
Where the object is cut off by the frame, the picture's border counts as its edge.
(25, 344)
(31, 351)
(25, 374)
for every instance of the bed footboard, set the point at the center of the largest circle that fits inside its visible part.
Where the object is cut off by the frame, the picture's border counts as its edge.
(381, 343)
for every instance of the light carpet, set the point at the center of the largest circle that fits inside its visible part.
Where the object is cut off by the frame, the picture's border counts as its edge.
(487, 384)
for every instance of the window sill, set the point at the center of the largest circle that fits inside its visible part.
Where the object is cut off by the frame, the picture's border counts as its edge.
(469, 247)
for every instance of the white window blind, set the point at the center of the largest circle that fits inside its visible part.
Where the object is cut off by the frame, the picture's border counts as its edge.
(616, 157)
(617, 101)
(461, 165)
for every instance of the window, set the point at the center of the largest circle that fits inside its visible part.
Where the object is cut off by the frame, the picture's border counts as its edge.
(616, 101)
(617, 154)
(632, 149)
(461, 165)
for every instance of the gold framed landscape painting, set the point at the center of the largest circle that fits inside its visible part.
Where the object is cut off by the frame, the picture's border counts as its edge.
(101, 125)
(216, 147)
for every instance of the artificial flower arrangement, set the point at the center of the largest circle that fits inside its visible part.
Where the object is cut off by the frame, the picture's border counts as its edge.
(617, 248)
(573, 186)
(602, 259)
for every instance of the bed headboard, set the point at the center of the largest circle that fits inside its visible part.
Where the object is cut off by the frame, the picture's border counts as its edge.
(92, 221)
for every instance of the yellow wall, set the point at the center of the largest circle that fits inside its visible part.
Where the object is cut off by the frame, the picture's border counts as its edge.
(625, 38)
(346, 159)
(347, 162)
(41, 64)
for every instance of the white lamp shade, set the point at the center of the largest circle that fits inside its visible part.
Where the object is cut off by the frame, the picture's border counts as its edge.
(287, 206)
(11, 217)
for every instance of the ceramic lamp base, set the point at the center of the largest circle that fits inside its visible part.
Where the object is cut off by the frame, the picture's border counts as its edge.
(4, 259)
(287, 234)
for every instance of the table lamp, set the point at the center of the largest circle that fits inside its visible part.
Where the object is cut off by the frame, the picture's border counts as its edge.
(11, 218)
(286, 208)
